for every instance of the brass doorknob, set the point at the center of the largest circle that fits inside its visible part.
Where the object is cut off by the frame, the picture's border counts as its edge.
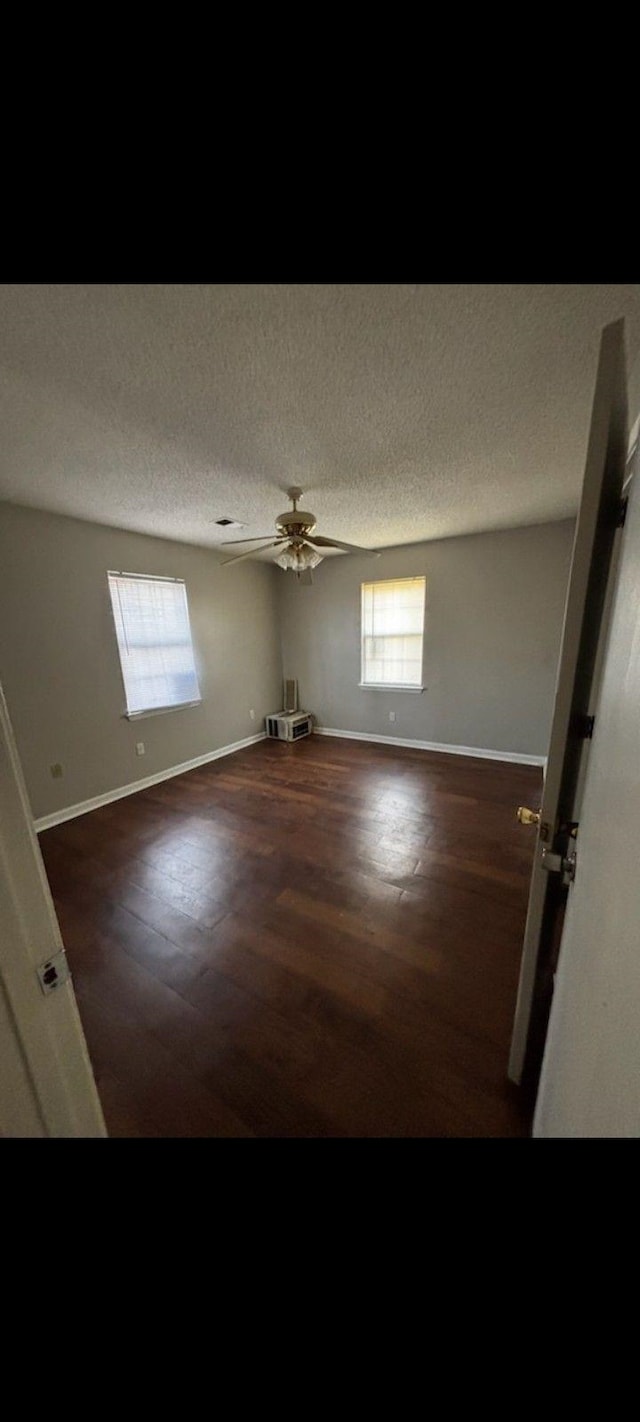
(527, 817)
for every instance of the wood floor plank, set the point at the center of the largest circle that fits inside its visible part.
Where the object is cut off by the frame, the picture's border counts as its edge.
(320, 939)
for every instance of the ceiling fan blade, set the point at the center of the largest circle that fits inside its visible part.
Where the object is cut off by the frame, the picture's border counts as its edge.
(251, 554)
(318, 542)
(264, 537)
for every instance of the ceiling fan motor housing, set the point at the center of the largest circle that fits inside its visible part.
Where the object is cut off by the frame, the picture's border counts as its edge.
(296, 524)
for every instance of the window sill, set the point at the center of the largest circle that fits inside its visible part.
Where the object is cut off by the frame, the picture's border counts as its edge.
(387, 686)
(160, 710)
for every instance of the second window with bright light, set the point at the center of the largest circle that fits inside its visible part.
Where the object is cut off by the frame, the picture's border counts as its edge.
(392, 633)
(154, 641)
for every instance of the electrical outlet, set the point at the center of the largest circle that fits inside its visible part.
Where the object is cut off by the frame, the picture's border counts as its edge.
(252, 714)
(392, 715)
(56, 770)
(139, 747)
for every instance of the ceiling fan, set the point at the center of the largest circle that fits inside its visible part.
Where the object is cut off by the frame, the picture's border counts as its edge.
(299, 551)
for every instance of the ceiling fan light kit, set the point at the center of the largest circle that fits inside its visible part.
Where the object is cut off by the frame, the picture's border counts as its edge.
(298, 558)
(300, 553)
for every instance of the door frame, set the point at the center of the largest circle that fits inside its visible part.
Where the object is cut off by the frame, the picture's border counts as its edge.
(593, 566)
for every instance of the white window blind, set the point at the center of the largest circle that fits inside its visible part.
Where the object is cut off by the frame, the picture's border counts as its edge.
(392, 630)
(154, 640)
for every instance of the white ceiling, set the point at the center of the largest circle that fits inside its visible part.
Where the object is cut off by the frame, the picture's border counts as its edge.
(405, 412)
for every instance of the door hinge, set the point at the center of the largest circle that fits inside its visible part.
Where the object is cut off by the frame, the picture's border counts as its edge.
(54, 972)
(622, 512)
(564, 864)
(582, 726)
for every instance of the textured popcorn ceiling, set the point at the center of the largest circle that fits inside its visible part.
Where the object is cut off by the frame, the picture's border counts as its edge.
(405, 412)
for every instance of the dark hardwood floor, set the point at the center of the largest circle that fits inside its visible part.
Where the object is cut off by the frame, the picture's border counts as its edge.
(319, 939)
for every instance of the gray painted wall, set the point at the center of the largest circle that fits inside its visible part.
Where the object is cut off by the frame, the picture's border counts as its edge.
(494, 610)
(494, 615)
(59, 662)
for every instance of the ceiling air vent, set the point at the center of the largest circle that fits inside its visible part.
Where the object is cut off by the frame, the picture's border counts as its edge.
(229, 523)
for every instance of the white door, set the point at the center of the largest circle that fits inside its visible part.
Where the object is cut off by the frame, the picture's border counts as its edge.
(598, 519)
(46, 1082)
(590, 1083)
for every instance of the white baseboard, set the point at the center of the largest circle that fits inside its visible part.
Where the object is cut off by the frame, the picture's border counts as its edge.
(516, 757)
(72, 811)
(82, 808)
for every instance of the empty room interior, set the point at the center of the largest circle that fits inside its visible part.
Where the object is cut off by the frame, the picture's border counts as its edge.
(316, 604)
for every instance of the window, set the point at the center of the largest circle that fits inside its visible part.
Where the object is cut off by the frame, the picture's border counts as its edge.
(154, 641)
(392, 628)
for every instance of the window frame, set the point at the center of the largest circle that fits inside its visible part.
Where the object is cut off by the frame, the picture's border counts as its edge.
(418, 687)
(176, 705)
